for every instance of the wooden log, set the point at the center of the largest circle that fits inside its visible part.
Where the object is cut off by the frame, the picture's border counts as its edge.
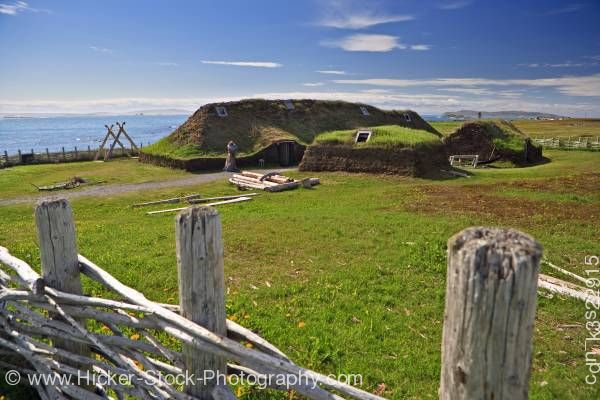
(58, 255)
(247, 185)
(210, 199)
(243, 178)
(201, 289)
(122, 130)
(200, 337)
(103, 142)
(568, 289)
(236, 200)
(568, 273)
(283, 186)
(167, 201)
(27, 276)
(273, 177)
(491, 286)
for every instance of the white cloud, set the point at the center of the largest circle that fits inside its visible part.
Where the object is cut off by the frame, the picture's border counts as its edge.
(18, 7)
(569, 8)
(566, 64)
(101, 50)
(454, 5)
(474, 91)
(253, 64)
(167, 64)
(361, 21)
(431, 103)
(332, 72)
(107, 105)
(313, 84)
(420, 47)
(376, 91)
(367, 42)
(356, 14)
(570, 85)
(424, 103)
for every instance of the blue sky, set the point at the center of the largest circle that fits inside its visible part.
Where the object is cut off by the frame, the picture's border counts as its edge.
(430, 56)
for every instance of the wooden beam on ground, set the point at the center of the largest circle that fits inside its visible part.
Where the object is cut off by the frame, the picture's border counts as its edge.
(564, 271)
(283, 186)
(236, 200)
(220, 198)
(247, 184)
(243, 178)
(568, 289)
(167, 201)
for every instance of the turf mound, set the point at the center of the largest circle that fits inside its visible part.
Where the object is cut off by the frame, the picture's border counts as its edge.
(256, 125)
(493, 140)
(390, 149)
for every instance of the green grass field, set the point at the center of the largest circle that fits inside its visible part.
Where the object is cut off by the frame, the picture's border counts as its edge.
(350, 276)
(387, 135)
(17, 181)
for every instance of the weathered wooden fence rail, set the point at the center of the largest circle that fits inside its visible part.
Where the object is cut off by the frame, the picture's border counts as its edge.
(48, 326)
(31, 156)
(583, 142)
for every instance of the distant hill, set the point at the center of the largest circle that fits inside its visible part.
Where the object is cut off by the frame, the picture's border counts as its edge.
(168, 111)
(470, 114)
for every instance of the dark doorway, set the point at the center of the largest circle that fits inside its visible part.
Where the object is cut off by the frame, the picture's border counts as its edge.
(286, 153)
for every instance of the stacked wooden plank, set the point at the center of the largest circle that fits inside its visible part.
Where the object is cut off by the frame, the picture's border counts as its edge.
(271, 182)
(195, 199)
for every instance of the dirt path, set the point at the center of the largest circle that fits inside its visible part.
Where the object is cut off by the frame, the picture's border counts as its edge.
(110, 190)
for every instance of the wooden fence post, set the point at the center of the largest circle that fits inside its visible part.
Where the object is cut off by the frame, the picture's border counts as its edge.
(76, 154)
(201, 289)
(64, 155)
(47, 154)
(491, 287)
(58, 254)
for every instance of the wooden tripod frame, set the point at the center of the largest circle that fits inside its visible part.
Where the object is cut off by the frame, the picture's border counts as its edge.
(116, 140)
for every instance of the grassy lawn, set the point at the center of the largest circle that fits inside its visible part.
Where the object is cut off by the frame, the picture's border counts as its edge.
(16, 181)
(570, 127)
(350, 276)
(387, 135)
(446, 127)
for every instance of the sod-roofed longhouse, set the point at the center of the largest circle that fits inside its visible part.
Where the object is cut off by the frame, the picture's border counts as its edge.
(391, 149)
(493, 140)
(276, 131)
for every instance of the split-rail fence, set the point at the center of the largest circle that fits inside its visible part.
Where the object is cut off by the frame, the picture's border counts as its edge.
(49, 326)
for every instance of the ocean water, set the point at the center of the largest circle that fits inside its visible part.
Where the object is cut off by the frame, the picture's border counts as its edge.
(55, 132)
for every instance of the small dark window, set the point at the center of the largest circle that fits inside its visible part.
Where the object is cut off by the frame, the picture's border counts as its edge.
(407, 117)
(221, 111)
(362, 136)
(364, 111)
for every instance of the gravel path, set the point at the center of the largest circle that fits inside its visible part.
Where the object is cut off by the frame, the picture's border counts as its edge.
(109, 190)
